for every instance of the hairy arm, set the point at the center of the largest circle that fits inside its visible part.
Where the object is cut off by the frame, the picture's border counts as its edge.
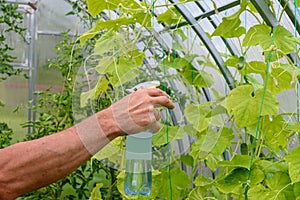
(27, 166)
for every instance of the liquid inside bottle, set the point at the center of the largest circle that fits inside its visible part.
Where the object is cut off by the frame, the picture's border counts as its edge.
(138, 173)
(138, 177)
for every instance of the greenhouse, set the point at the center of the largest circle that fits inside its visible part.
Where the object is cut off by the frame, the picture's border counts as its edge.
(149, 99)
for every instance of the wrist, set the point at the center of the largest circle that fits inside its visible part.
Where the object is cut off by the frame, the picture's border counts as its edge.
(107, 123)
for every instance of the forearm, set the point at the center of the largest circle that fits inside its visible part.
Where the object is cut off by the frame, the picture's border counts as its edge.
(27, 166)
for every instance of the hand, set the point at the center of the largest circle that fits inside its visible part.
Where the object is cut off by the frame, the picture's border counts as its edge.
(136, 112)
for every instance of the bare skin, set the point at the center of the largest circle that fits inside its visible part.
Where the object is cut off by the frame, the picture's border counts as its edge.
(27, 166)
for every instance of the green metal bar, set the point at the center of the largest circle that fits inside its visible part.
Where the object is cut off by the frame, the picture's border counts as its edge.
(207, 14)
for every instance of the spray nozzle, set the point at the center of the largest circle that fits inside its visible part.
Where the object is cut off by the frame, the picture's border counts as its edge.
(148, 84)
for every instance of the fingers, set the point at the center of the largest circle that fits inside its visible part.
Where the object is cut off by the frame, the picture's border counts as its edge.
(162, 101)
(154, 92)
(160, 98)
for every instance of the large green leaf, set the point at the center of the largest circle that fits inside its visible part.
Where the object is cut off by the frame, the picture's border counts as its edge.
(171, 16)
(275, 132)
(203, 181)
(198, 193)
(278, 180)
(112, 151)
(122, 69)
(212, 142)
(179, 182)
(234, 182)
(97, 6)
(173, 133)
(230, 25)
(283, 42)
(237, 161)
(277, 187)
(293, 160)
(256, 67)
(260, 192)
(108, 43)
(179, 62)
(197, 77)
(188, 71)
(282, 77)
(101, 86)
(195, 114)
(258, 35)
(244, 104)
(294, 126)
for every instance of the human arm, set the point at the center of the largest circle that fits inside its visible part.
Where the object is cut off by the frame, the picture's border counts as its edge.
(27, 166)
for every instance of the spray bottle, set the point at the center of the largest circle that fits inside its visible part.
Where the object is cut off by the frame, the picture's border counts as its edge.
(138, 173)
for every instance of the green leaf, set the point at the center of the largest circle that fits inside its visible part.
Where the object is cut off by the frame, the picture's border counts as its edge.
(121, 69)
(270, 167)
(96, 6)
(171, 16)
(282, 43)
(187, 160)
(260, 192)
(180, 182)
(277, 187)
(295, 127)
(178, 62)
(257, 176)
(257, 67)
(96, 194)
(245, 105)
(212, 142)
(278, 180)
(281, 77)
(202, 181)
(275, 133)
(230, 26)
(112, 151)
(198, 193)
(108, 42)
(234, 182)
(253, 81)
(90, 34)
(212, 161)
(237, 161)
(160, 138)
(125, 71)
(101, 86)
(195, 114)
(258, 35)
(232, 61)
(197, 77)
(293, 160)
(185, 68)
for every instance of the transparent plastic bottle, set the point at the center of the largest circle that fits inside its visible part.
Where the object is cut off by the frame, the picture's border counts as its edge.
(138, 173)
